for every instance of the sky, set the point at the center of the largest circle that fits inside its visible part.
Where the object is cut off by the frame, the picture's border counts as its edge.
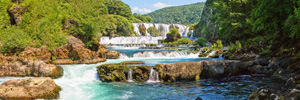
(147, 6)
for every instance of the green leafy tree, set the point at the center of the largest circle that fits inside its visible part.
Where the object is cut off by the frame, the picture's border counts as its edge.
(201, 41)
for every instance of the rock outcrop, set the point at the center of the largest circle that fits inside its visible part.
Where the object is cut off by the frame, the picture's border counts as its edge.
(218, 69)
(132, 63)
(42, 53)
(30, 88)
(119, 73)
(14, 66)
(75, 52)
(112, 72)
(111, 54)
(171, 72)
(140, 73)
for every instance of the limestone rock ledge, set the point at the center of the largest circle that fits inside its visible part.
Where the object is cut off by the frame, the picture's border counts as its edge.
(30, 88)
(75, 52)
(25, 67)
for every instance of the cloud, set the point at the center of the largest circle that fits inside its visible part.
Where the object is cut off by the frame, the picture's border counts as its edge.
(144, 10)
(161, 5)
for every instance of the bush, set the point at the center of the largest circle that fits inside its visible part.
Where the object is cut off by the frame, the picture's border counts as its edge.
(14, 40)
(201, 41)
(153, 31)
(235, 47)
(184, 41)
(173, 35)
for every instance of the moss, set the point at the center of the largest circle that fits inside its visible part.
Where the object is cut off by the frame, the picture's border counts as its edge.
(197, 76)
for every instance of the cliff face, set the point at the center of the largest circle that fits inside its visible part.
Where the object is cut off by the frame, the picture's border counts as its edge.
(207, 27)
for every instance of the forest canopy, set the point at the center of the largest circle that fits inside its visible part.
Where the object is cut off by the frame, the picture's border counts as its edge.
(187, 14)
(47, 22)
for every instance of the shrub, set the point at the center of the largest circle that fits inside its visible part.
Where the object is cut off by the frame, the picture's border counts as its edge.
(201, 41)
(184, 41)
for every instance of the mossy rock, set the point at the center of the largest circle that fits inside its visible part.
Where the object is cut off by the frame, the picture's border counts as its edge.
(132, 63)
(141, 73)
(112, 72)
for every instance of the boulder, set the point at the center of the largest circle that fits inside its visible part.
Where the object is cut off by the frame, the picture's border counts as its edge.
(172, 72)
(30, 88)
(111, 54)
(112, 72)
(42, 53)
(217, 69)
(140, 73)
(30, 68)
(75, 52)
(119, 73)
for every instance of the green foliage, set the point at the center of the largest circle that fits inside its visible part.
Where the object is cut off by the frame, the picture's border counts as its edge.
(118, 7)
(187, 14)
(138, 18)
(14, 40)
(142, 30)
(53, 58)
(173, 35)
(4, 16)
(201, 41)
(217, 46)
(173, 44)
(260, 25)
(43, 22)
(235, 47)
(153, 31)
(183, 41)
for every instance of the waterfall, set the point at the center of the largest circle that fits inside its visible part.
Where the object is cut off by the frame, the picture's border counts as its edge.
(153, 76)
(163, 28)
(129, 77)
(123, 56)
(201, 50)
(165, 54)
(192, 33)
(131, 40)
(213, 53)
(220, 57)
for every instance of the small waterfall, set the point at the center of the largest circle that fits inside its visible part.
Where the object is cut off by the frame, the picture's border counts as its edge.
(129, 77)
(131, 40)
(221, 57)
(192, 33)
(213, 53)
(165, 54)
(153, 76)
(123, 56)
(201, 50)
(163, 28)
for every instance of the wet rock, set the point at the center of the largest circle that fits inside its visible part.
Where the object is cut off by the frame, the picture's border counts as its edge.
(112, 72)
(30, 88)
(30, 68)
(215, 69)
(280, 75)
(132, 63)
(111, 54)
(76, 51)
(247, 64)
(42, 53)
(262, 61)
(198, 98)
(140, 73)
(171, 72)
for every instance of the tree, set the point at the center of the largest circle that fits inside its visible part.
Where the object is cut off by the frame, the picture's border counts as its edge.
(201, 41)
